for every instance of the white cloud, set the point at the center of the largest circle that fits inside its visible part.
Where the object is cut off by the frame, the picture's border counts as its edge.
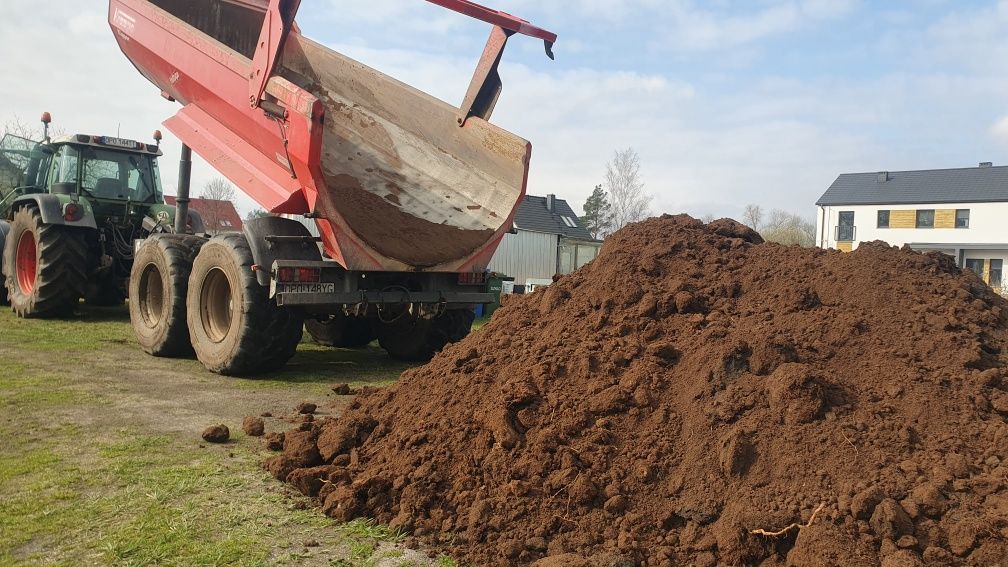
(999, 131)
(707, 144)
(85, 82)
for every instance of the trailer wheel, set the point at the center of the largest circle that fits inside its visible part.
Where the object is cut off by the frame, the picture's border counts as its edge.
(418, 340)
(341, 331)
(45, 266)
(158, 284)
(234, 327)
(4, 229)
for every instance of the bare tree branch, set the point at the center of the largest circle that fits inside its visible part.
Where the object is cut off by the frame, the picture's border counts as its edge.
(626, 189)
(753, 216)
(216, 192)
(788, 228)
(21, 128)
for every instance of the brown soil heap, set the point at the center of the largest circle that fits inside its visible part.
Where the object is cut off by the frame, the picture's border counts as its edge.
(687, 388)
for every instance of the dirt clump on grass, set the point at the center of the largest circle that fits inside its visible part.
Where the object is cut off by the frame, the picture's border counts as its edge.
(685, 390)
(216, 434)
(254, 426)
(275, 441)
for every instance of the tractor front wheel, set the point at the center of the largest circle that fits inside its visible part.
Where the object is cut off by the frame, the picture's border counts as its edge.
(45, 266)
(4, 230)
(234, 327)
(159, 282)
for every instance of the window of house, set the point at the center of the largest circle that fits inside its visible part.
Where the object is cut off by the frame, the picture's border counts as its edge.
(962, 218)
(975, 264)
(925, 218)
(994, 278)
(883, 219)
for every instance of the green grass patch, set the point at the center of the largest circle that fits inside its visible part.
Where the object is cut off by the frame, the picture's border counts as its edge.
(368, 366)
(90, 329)
(82, 483)
(73, 495)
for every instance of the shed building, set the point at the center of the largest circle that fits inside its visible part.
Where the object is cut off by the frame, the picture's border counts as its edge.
(548, 239)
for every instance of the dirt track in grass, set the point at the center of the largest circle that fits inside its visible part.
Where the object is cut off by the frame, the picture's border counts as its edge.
(101, 460)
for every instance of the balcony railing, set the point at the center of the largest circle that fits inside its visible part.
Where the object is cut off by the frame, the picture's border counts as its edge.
(844, 233)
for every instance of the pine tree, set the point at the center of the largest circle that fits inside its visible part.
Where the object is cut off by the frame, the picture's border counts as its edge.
(598, 213)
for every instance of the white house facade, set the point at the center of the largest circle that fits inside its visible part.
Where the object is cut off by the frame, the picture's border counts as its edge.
(961, 212)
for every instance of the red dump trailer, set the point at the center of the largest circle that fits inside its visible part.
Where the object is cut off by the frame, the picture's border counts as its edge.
(411, 195)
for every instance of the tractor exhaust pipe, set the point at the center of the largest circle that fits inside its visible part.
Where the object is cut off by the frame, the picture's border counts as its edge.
(182, 199)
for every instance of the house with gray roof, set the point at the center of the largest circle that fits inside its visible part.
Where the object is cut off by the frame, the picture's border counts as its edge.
(548, 239)
(960, 212)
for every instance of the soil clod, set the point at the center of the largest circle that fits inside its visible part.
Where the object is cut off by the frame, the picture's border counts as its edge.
(216, 434)
(253, 426)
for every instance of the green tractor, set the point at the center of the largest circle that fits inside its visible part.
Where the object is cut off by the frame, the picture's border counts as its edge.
(72, 211)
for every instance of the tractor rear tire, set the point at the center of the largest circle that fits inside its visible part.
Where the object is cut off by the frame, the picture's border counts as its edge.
(159, 282)
(45, 266)
(418, 340)
(341, 331)
(4, 229)
(234, 327)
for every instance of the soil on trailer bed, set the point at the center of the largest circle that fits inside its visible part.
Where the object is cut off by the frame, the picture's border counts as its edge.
(695, 396)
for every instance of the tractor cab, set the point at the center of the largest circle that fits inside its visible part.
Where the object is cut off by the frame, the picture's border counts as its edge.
(107, 177)
(82, 202)
(105, 171)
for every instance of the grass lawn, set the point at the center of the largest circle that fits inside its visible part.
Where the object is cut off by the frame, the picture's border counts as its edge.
(101, 463)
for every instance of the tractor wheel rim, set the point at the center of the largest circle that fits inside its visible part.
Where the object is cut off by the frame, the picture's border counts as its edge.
(152, 298)
(216, 306)
(26, 262)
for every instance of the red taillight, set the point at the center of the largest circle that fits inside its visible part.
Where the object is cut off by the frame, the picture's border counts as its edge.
(309, 275)
(72, 212)
(299, 275)
(472, 278)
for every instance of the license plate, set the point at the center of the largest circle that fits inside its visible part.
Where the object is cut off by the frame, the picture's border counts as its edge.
(119, 142)
(306, 288)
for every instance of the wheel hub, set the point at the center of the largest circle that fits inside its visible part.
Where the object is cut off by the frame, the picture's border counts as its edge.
(26, 262)
(152, 299)
(216, 307)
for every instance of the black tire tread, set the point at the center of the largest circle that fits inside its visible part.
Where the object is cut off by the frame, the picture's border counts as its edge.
(178, 251)
(420, 340)
(271, 334)
(4, 299)
(341, 331)
(62, 275)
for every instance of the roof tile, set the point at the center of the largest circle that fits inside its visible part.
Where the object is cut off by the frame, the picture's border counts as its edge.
(964, 185)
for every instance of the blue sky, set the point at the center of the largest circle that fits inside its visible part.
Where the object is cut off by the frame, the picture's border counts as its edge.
(763, 101)
(727, 102)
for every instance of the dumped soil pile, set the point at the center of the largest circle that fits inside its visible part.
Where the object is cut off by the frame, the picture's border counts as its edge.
(690, 386)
